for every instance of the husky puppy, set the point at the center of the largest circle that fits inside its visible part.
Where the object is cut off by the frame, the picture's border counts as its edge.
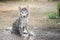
(20, 25)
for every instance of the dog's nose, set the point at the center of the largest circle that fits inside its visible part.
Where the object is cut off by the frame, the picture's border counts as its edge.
(23, 16)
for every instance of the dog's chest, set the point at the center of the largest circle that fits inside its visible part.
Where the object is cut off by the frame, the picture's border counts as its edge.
(24, 21)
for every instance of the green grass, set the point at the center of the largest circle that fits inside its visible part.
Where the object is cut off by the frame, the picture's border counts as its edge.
(52, 15)
(50, 0)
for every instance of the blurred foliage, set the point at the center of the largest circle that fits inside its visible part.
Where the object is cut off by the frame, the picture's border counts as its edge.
(53, 0)
(27, 0)
(13, 0)
(52, 15)
(58, 4)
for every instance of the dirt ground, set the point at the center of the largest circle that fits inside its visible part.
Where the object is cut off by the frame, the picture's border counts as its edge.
(9, 12)
(43, 28)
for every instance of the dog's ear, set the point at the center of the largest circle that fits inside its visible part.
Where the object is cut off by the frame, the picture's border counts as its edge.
(27, 7)
(19, 8)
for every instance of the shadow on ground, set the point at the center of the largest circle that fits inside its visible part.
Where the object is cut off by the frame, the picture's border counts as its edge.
(40, 34)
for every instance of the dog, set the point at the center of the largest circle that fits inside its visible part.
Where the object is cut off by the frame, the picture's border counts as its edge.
(21, 24)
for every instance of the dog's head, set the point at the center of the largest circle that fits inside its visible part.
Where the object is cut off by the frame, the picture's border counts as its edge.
(24, 12)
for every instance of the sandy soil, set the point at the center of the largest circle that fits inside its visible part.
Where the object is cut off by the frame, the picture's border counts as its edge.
(9, 12)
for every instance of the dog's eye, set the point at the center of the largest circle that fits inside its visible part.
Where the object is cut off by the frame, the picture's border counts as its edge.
(22, 12)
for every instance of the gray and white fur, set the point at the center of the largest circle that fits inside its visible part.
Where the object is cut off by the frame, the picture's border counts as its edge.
(20, 25)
